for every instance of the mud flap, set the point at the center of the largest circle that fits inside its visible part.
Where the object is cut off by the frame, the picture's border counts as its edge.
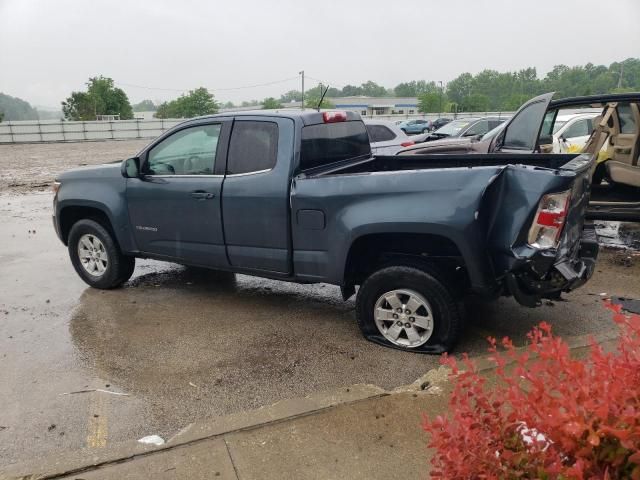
(347, 292)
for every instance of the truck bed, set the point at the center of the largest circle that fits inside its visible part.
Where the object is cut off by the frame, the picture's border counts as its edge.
(440, 161)
(483, 203)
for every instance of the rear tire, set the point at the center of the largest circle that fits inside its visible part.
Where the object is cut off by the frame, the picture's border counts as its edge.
(421, 314)
(97, 257)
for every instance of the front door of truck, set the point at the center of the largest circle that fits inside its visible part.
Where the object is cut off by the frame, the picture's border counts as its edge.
(174, 207)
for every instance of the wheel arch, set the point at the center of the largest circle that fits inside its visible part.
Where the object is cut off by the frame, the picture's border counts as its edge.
(71, 214)
(372, 251)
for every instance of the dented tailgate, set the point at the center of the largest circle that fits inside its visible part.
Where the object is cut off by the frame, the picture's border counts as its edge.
(510, 209)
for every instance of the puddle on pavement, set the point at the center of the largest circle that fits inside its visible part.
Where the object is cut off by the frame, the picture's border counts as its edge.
(619, 235)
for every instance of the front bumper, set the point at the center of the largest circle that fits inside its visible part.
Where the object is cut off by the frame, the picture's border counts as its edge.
(528, 287)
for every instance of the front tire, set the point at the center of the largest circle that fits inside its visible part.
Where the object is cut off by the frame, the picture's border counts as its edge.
(96, 256)
(410, 309)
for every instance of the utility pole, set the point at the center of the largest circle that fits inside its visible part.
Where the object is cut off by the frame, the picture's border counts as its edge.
(441, 91)
(302, 73)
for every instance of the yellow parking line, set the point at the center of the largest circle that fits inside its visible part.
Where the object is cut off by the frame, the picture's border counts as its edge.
(97, 425)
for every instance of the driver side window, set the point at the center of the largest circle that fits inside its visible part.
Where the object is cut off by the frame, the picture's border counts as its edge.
(190, 151)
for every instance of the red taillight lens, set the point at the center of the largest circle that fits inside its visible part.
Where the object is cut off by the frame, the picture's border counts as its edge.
(549, 220)
(408, 144)
(333, 117)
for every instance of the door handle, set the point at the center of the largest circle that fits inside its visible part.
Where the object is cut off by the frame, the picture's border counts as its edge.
(203, 195)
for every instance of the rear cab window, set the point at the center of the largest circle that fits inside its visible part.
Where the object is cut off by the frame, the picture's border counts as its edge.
(328, 143)
(253, 147)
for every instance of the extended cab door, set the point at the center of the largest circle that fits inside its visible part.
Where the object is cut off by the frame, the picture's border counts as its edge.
(174, 207)
(255, 198)
(522, 131)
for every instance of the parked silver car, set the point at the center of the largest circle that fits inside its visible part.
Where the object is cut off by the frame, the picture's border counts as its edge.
(462, 127)
(386, 137)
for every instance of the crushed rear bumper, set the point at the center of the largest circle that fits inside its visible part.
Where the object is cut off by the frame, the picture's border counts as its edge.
(529, 287)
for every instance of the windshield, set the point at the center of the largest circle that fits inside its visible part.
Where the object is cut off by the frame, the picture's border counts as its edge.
(558, 125)
(452, 129)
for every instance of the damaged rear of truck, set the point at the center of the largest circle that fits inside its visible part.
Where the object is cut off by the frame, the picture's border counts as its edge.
(419, 233)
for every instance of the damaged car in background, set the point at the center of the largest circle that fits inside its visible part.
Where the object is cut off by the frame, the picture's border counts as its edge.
(298, 196)
(605, 127)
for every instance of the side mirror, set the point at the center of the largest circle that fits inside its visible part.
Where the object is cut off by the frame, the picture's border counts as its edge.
(130, 168)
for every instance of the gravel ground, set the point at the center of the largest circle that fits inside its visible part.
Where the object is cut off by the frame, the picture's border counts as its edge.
(33, 167)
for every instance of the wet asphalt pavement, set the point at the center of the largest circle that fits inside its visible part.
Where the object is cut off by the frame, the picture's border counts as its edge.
(184, 344)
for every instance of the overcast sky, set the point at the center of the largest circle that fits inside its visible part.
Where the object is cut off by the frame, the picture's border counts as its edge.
(50, 47)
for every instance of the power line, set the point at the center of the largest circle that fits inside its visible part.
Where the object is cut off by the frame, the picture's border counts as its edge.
(275, 82)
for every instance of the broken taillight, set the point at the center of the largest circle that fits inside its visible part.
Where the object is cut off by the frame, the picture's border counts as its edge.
(549, 220)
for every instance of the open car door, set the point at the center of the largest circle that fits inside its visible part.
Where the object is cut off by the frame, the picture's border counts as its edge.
(523, 130)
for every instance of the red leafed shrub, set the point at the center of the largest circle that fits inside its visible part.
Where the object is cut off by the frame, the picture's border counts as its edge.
(548, 416)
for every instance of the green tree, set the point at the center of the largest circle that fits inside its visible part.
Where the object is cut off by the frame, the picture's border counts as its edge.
(313, 100)
(432, 102)
(319, 89)
(145, 106)
(372, 89)
(476, 102)
(195, 103)
(270, 103)
(514, 102)
(228, 105)
(13, 108)
(101, 98)
(351, 91)
(460, 88)
(415, 88)
(291, 96)
(490, 90)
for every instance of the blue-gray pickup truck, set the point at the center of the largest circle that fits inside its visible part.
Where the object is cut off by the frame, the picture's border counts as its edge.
(297, 196)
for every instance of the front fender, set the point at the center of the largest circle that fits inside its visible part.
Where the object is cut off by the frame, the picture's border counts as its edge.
(106, 195)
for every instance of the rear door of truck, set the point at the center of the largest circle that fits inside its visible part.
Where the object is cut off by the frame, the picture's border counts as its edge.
(255, 194)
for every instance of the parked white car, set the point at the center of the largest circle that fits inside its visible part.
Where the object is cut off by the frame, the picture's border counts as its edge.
(571, 132)
(386, 137)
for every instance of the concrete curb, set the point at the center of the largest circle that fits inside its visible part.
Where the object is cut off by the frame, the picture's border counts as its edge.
(84, 460)
(431, 383)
